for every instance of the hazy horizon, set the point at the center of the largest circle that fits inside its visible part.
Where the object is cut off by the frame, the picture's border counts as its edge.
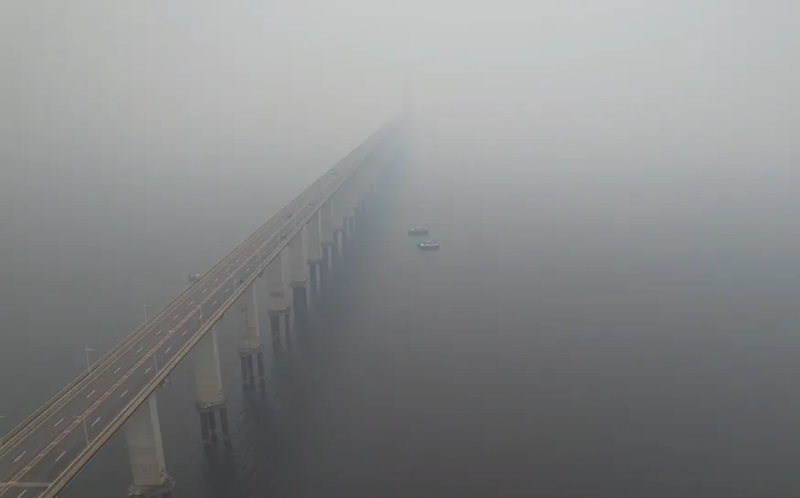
(630, 148)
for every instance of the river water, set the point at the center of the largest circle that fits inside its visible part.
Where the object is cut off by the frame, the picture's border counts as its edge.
(576, 335)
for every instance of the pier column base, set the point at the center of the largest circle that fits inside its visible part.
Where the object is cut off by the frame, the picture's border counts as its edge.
(337, 249)
(146, 452)
(314, 277)
(299, 298)
(326, 264)
(249, 360)
(208, 421)
(280, 325)
(160, 491)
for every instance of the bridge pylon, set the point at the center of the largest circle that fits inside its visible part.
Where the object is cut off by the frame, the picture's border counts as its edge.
(279, 306)
(208, 380)
(146, 452)
(250, 338)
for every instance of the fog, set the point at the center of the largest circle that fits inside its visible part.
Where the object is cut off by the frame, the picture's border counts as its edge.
(651, 144)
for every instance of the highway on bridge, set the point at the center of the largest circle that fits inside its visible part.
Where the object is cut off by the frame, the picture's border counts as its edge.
(42, 454)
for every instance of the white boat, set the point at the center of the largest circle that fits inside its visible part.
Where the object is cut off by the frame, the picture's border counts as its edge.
(429, 245)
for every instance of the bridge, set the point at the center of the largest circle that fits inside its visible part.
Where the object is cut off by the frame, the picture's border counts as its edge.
(294, 251)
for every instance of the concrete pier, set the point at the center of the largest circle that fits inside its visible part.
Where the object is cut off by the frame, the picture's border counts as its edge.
(327, 241)
(146, 452)
(314, 253)
(249, 336)
(338, 210)
(279, 306)
(298, 270)
(208, 379)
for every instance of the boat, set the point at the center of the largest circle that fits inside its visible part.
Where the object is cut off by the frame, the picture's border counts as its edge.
(418, 231)
(429, 245)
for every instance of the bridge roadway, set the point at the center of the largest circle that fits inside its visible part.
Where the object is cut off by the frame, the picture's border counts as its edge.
(39, 459)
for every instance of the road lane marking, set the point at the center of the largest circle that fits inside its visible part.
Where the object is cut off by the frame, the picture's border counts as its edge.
(236, 262)
(214, 303)
(204, 291)
(95, 421)
(59, 421)
(216, 279)
(159, 332)
(184, 332)
(4, 486)
(191, 303)
(90, 394)
(167, 350)
(140, 349)
(61, 455)
(148, 369)
(20, 456)
(176, 316)
(226, 290)
(23, 492)
(118, 369)
(123, 394)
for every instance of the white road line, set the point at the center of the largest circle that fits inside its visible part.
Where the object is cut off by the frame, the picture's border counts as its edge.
(216, 279)
(204, 291)
(226, 290)
(23, 492)
(20, 456)
(214, 303)
(148, 369)
(90, 394)
(123, 394)
(61, 455)
(236, 262)
(95, 421)
(191, 303)
(176, 316)
(118, 369)
(159, 332)
(59, 421)
(185, 332)
(167, 350)
(140, 349)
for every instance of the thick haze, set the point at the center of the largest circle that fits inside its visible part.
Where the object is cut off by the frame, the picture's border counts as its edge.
(616, 185)
(124, 123)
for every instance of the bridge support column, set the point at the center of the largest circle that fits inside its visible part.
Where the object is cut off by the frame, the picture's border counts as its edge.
(278, 306)
(327, 239)
(280, 325)
(249, 337)
(299, 275)
(210, 397)
(349, 229)
(146, 452)
(313, 251)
